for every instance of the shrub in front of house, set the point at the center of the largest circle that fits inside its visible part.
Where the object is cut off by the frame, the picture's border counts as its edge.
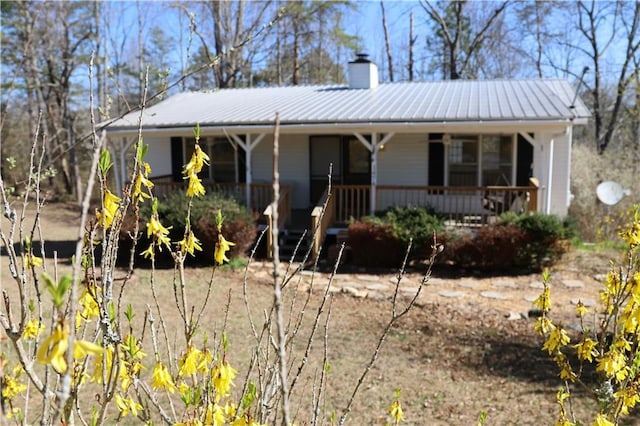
(523, 242)
(239, 224)
(374, 244)
(417, 223)
(493, 247)
(382, 241)
(546, 237)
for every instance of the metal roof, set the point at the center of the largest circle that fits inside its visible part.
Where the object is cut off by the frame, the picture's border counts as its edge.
(406, 102)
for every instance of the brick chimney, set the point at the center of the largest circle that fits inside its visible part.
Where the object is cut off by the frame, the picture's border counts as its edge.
(363, 74)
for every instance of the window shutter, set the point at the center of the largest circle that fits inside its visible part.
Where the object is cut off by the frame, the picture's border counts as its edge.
(436, 163)
(524, 162)
(176, 158)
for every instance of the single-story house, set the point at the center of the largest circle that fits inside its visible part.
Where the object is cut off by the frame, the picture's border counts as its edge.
(470, 149)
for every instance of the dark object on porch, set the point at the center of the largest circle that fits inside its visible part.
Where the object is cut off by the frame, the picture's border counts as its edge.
(500, 202)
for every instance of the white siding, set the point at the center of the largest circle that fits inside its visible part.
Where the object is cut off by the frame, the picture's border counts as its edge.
(404, 160)
(552, 168)
(159, 156)
(261, 160)
(294, 168)
(294, 165)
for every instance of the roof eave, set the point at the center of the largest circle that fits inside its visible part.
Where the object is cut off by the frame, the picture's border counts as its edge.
(315, 127)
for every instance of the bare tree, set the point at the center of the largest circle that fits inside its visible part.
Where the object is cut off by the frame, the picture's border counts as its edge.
(51, 41)
(600, 34)
(308, 46)
(228, 25)
(460, 42)
(412, 42)
(387, 43)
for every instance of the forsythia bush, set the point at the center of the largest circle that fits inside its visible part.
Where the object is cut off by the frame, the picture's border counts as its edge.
(612, 346)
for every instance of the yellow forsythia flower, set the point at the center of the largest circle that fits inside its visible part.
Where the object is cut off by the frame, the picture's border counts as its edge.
(157, 230)
(149, 253)
(195, 187)
(601, 420)
(566, 373)
(183, 390)
(31, 329)
(189, 361)
(222, 247)
(556, 340)
(396, 412)
(223, 376)
(197, 161)
(10, 385)
(161, 378)
(581, 310)
(126, 406)
(110, 207)
(142, 181)
(214, 415)
(32, 261)
(586, 350)
(190, 243)
(246, 421)
(629, 397)
(191, 170)
(543, 325)
(543, 302)
(230, 409)
(90, 308)
(54, 349)
(98, 364)
(613, 364)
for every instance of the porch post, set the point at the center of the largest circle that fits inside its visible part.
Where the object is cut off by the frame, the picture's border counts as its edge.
(373, 147)
(121, 181)
(248, 147)
(547, 207)
(374, 173)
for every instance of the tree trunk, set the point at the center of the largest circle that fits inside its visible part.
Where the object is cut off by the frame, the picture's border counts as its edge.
(387, 43)
(412, 42)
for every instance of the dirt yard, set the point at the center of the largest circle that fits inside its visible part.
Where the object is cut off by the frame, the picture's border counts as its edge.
(467, 347)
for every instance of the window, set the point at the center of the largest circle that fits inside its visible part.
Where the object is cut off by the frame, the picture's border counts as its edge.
(497, 160)
(222, 159)
(480, 160)
(463, 161)
(359, 157)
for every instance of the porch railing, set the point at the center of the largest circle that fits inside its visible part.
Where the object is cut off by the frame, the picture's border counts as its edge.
(260, 193)
(284, 215)
(465, 205)
(320, 223)
(260, 197)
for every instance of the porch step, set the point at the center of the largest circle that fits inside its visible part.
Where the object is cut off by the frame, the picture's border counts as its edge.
(289, 240)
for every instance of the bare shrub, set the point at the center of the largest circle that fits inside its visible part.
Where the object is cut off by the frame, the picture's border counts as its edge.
(595, 220)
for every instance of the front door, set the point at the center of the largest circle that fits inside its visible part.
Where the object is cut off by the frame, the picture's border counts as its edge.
(350, 160)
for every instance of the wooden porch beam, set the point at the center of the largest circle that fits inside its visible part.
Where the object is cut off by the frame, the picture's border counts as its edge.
(248, 147)
(529, 139)
(374, 147)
